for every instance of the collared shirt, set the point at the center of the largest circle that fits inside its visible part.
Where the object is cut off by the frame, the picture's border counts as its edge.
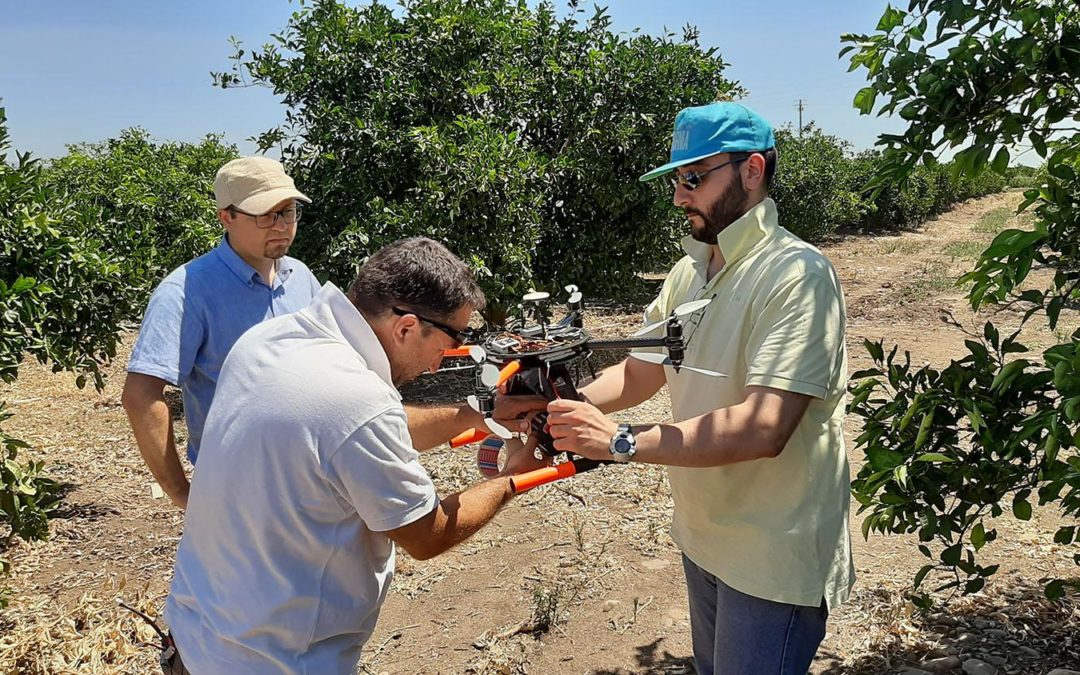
(199, 311)
(306, 462)
(773, 528)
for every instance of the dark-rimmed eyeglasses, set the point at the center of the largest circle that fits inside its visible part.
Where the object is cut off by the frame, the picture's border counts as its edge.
(460, 337)
(692, 180)
(264, 221)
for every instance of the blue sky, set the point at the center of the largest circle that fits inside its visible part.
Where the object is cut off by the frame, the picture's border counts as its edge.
(73, 71)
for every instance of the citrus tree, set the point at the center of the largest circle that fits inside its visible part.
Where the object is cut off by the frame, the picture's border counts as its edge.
(510, 133)
(947, 447)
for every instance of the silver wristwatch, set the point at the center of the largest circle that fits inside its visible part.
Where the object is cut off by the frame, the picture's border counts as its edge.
(623, 446)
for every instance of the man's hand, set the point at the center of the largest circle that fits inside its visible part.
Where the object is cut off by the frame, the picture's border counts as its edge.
(580, 428)
(509, 410)
(521, 457)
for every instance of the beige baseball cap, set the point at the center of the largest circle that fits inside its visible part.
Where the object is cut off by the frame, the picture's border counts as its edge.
(254, 185)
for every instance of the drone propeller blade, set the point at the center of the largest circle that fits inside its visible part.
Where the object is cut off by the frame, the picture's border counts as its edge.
(681, 310)
(571, 289)
(473, 402)
(536, 296)
(662, 360)
(644, 330)
(477, 353)
(710, 373)
(489, 375)
(574, 298)
(498, 429)
(652, 357)
(691, 307)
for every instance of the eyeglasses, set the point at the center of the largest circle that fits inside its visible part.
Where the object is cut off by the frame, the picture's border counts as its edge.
(265, 221)
(460, 337)
(691, 180)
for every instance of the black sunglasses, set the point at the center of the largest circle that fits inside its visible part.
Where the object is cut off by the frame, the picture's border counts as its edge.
(691, 180)
(460, 337)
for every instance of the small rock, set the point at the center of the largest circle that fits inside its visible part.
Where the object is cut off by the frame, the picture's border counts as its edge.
(997, 633)
(1030, 651)
(994, 659)
(1063, 671)
(943, 620)
(942, 665)
(981, 624)
(914, 671)
(966, 639)
(610, 605)
(979, 667)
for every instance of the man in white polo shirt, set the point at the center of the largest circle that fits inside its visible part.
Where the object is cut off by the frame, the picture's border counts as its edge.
(307, 477)
(758, 470)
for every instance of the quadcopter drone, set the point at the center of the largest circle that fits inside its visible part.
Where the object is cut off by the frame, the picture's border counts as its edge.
(547, 359)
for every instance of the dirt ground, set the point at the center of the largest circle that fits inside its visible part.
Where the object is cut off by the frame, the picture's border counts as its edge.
(576, 577)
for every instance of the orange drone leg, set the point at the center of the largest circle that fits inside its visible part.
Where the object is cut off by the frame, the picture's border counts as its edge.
(549, 474)
(470, 436)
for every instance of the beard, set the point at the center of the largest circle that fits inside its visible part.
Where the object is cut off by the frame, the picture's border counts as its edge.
(275, 251)
(728, 207)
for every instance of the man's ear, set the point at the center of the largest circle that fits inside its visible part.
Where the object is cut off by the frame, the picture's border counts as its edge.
(755, 172)
(224, 217)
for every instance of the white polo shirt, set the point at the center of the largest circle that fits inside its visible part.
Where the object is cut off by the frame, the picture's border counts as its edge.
(773, 528)
(305, 461)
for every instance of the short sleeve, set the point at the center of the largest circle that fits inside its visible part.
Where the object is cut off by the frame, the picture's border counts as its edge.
(169, 337)
(796, 340)
(379, 473)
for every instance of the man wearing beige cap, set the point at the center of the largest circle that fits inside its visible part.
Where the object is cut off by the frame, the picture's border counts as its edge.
(201, 308)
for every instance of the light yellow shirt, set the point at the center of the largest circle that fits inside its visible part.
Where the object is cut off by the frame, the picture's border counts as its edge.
(772, 528)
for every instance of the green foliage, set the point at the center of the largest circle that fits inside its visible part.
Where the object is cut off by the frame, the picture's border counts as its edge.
(814, 188)
(150, 205)
(27, 497)
(512, 134)
(946, 448)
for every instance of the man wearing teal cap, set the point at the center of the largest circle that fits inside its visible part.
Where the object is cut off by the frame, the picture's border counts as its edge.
(756, 458)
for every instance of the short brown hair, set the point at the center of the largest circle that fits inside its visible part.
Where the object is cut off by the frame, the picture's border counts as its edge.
(419, 274)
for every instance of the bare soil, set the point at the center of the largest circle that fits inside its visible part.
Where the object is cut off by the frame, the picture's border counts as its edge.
(576, 577)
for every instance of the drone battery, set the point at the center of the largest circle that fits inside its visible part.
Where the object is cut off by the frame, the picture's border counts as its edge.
(487, 455)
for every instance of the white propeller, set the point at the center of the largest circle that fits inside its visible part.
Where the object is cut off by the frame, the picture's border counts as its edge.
(489, 375)
(681, 310)
(498, 429)
(536, 296)
(662, 360)
(477, 353)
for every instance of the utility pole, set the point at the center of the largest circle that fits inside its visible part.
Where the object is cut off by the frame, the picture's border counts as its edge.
(801, 106)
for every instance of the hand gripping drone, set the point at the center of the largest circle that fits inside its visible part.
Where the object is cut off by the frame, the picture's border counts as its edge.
(547, 359)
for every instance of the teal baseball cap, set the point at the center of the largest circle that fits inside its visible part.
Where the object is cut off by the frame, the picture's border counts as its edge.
(706, 130)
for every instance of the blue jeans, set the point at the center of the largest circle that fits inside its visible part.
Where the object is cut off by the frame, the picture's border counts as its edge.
(738, 634)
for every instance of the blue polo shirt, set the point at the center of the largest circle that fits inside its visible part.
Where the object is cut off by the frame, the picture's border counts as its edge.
(199, 311)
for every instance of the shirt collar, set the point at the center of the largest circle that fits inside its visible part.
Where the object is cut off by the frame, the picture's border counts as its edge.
(246, 272)
(738, 238)
(335, 312)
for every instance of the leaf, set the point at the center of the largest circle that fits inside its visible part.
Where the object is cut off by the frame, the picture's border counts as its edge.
(934, 457)
(1022, 509)
(978, 536)
(864, 100)
(1001, 162)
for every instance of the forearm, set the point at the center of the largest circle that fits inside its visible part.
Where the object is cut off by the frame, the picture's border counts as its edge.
(151, 422)
(431, 426)
(460, 515)
(621, 386)
(725, 436)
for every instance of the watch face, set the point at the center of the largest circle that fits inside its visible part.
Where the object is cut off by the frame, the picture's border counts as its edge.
(622, 445)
